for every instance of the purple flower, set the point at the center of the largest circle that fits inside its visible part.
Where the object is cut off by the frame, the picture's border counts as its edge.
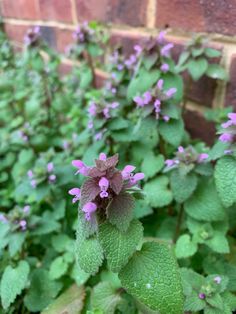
(139, 101)
(160, 84)
(232, 117)
(98, 136)
(165, 50)
(52, 178)
(30, 174)
(225, 137)
(202, 157)
(127, 171)
(161, 37)
(147, 97)
(88, 209)
(165, 67)
(50, 167)
(114, 105)
(23, 224)
(103, 184)
(169, 162)
(181, 149)
(157, 105)
(90, 124)
(217, 280)
(82, 168)
(33, 183)
(138, 49)
(92, 109)
(166, 118)
(120, 67)
(170, 92)
(26, 209)
(103, 156)
(228, 151)
(136, 178)
(65, 144)
(130, 62)
(106, 112)
(76, 193)
(202, 296)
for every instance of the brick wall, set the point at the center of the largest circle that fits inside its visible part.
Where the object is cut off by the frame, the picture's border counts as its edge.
(132, 19)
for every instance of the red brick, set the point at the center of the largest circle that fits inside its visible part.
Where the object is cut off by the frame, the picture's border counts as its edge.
(21, 9)
(16, 32)
(199, 128)
(65, 68)
(63, 39)
(55, 10)
(197, 15)
(230, 97)
(130, 12)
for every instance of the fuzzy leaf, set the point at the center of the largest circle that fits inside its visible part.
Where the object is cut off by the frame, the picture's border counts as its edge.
(158, 194)
(70, 302)
(216, 72)
(42, 291)
(193, 303)
(172, 131)
(13, 282)
(58, 268)
(89, 255)
(120, 211)
(152, 276)
(152, 164)
(225, 177)
(205, 204)
(185, 247)
(116, 182)
(182, 186)
(89, 190)
(197, 68)
(118, 246)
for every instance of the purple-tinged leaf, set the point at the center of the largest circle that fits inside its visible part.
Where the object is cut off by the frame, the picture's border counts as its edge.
(116, 182)
(120, 211)
(89, 191)
(95, 172)
(111, 162)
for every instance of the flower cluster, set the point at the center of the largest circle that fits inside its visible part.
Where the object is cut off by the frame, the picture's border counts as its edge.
(17, 218)
(155, 98)
(32, 36)
(104, 184)
(186, 156)
(229, 129)
(83, 33)
(35, 178)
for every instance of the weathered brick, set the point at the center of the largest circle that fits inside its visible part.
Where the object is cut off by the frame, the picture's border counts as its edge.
(197, 15)
(21, 9)
(198, 127)
(132, 12)
(55, 10)
(15, 32)
(49, 35)
(65, 68)
(63, 39)
(230, 97)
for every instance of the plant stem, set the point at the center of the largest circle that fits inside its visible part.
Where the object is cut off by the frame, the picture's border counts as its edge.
(91, 65)
(179, 222)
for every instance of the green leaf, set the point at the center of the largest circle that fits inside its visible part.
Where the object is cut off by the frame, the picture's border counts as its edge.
(120, 211)
(218, 243)
(58, 268)
(205, 204)
(142, 82)
(153, 277)
(212, 53)
(229, 299)
(105, 298)
(225, 178)
(182, 186)
(157, 191)
(197, 68)
(89, 254)
(172, 131)
(146, 132)
(185, 247)
(176, 81)
(41, 292)
(193, 303)
(216, 71)
(152, 164)
(216, 301)
(13, 282)
(70, 302)
(118, 246)
(62, 242)
(217, 150)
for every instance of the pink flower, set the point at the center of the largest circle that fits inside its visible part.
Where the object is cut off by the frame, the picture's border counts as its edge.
(103, 184)
(170, 92)
(160, 84)
(88, 209)
(161, 37)
(180, 149)
(166, 118)
(23, 224)
(165, 67)
(137, 177)
(147, 97)
(232, 117)
(52, 178)
(202, 157)
(165, 50)
(30, 174)
(102, 156)
(50, 167)
(76, 193)
(106, 112)
(83, 169)
(92, 109)
(26, 209)
(139, 101)
(225, 137)
(217, 280)
(202, 296)
(127, 171)
(169, 162)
